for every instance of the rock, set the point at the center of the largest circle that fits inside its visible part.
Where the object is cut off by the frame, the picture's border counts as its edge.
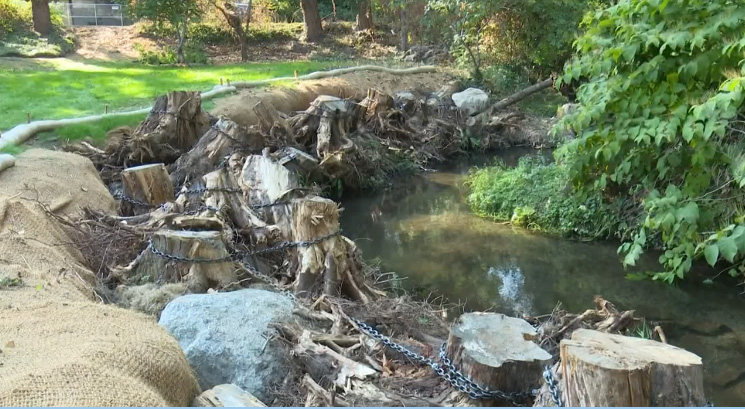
(223, 337)
(404, 100)
(227, 396)
(471, 101)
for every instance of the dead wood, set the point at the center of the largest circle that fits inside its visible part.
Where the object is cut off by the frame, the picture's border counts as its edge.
(149, 185)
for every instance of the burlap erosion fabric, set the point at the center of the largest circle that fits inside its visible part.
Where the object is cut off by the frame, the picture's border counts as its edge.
(60, 346)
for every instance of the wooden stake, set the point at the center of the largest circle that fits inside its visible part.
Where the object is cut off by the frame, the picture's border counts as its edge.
(603, 369)
(28, 117)
(106, 108)
(220, 81)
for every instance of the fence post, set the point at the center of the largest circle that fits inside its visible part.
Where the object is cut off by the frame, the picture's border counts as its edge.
(95, 14)
(121, 17)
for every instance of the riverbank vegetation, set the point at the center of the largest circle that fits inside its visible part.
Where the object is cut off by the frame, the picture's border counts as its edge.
(658, 127)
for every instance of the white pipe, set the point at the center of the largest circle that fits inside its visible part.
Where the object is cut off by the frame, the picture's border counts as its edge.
(21, 133)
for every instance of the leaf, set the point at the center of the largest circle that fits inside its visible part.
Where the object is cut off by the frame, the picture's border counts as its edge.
(689, 213)
(711, 252)
(728, 248)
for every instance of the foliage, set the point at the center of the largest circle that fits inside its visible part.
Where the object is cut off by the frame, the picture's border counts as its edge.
(209, 33)
(19, 39)
(660, 123)
(535, 195)
(536, 34)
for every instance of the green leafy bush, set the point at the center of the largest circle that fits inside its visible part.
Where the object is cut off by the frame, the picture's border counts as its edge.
(660, 123)
(535, 195)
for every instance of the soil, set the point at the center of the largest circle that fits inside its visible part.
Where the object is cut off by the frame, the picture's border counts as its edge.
(121, 44)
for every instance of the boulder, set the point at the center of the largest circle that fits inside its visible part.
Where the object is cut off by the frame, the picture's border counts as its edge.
(471, 101)
(224, 337)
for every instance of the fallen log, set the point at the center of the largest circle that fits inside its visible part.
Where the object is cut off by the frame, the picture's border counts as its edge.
(610, 370)
(497, 351)
(147, 184)
(510, 100)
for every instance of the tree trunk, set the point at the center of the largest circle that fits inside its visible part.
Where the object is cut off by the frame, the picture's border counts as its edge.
(181, 43)
(244, 45)
(41, 16)
(404, 30)
(611, 370)
(364, 15)
(312, 19)
(148, 184)
(497, 351)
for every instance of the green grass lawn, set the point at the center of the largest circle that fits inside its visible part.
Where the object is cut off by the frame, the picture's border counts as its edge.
(63, 88)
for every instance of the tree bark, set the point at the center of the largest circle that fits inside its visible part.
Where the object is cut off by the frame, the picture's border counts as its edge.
(312, 19)
(497, 351)
(41, 16)
(364, 15)
(404, 30)
(181, 43)
(611, 370)
(148, 184)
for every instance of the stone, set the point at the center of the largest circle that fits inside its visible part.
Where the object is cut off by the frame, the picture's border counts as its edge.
(225, 338)
(471, 101)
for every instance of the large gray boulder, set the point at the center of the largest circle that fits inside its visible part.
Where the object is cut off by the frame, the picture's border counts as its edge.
(471, 101)
(224, 337)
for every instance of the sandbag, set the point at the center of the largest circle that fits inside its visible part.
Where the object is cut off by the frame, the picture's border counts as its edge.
(59, 346)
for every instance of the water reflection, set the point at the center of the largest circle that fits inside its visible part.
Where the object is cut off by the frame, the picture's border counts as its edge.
(423, 230)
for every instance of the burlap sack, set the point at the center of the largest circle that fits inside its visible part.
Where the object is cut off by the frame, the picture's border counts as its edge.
(60, 346)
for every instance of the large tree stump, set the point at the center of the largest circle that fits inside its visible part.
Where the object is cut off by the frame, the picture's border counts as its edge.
(171, 244)
(173, 127)
(147, 184)
(277, 129)
(376, 103)
(220, 140)
(603, 369)
(497, 351)
(329, 266)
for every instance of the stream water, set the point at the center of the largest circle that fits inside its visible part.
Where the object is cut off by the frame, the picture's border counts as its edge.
(423, 230)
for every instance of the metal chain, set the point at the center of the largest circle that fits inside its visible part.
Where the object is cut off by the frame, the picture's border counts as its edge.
(446, 370)
(553, 386)
(129, 200)
(254, 272)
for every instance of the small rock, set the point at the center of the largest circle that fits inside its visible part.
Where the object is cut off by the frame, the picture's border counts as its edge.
(471, 101)
(225, 337)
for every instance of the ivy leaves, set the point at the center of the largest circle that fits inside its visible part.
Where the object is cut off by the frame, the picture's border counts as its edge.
(662, 87)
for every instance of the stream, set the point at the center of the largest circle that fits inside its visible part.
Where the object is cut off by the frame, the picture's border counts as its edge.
(423, 230)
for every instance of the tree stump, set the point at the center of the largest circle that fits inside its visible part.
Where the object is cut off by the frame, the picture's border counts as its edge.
(277, 129)
(328, 266)
(376, 103)
(198, 276)
(220, 140)
(603, 369)
(148, 184)
(497, 352)
(173, 127)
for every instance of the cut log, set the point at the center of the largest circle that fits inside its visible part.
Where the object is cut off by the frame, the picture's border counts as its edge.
(221, 140)
(497, 352)
(272, 124)
(173, 127)
(148, 184)
(613, 370)
(331, 265)
(227, 396)
(208, 246)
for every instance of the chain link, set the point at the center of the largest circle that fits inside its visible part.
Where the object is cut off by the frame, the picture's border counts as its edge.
(446, 370)
(553, 386)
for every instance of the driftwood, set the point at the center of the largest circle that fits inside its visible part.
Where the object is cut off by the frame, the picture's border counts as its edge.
(147, 184)
(228, 396)
(497, 351)
(613, 370)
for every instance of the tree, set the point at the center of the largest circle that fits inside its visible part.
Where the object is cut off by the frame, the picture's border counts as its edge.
(364, 15)
(312, 20)
(660, 127)
(178, 13)
(238, 19)
(41, 16)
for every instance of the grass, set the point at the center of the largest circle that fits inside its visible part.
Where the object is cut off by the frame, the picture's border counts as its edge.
(63, 88)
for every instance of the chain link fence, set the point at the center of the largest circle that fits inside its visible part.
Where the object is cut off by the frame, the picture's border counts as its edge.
(91, 14)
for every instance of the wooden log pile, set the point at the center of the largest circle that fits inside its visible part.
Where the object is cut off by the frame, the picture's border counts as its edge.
(223, 207)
